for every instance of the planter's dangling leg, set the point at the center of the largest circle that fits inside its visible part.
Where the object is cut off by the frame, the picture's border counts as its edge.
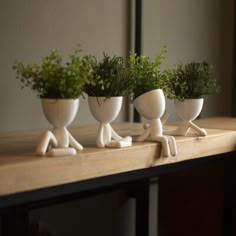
(47, 139)
(168, 142)
(164, 143)
(172, 145)
(156, 135)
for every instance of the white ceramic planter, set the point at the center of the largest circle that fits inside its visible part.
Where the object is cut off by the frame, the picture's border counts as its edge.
(151, 105)
(105, 110)
(188, 110)
(60, 113)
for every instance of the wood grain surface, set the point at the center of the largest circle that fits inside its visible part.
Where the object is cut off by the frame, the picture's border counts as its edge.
(21, 170)
(226, 123)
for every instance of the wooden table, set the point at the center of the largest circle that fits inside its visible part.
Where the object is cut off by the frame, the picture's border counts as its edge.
(27, 181)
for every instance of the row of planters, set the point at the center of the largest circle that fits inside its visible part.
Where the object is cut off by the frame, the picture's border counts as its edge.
(106, 81)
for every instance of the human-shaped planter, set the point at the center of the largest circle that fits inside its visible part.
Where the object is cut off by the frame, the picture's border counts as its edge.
(151, 105)
(59, 142)
(105, 110)
(188, 110)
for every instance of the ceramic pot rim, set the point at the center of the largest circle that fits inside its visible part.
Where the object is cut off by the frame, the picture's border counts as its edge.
(105, 97)
(189, 99)
(60, 99)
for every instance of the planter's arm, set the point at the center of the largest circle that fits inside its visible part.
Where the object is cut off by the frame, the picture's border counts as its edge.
(48, 138)
(114, 135)
(164, 118)
(74, 143)
(144, 135)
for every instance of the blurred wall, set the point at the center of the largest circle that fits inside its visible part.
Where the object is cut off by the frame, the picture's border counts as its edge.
(194, 30)
(30, 29)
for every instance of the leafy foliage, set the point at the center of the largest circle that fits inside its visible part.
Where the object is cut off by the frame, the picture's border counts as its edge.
(53, 79)
(110, 77)
(145, 73)
(192, 80)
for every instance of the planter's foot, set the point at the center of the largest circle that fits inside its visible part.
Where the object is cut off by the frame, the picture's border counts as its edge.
(47, 139)
(56, 152)
(197, 129)
(120, 143)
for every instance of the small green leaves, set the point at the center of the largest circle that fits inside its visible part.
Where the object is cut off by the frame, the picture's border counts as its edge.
(53, 79)
(110, 77)
(192, 80)
(145, 74)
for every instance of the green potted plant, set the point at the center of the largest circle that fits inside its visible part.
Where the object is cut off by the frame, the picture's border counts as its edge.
(58, 85)
(148, 97)
(105, 95)
(187, 85)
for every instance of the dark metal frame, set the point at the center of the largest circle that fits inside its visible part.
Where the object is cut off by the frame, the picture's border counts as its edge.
(233, 66)
(229, 223)
(15, 208)
(138, 39)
